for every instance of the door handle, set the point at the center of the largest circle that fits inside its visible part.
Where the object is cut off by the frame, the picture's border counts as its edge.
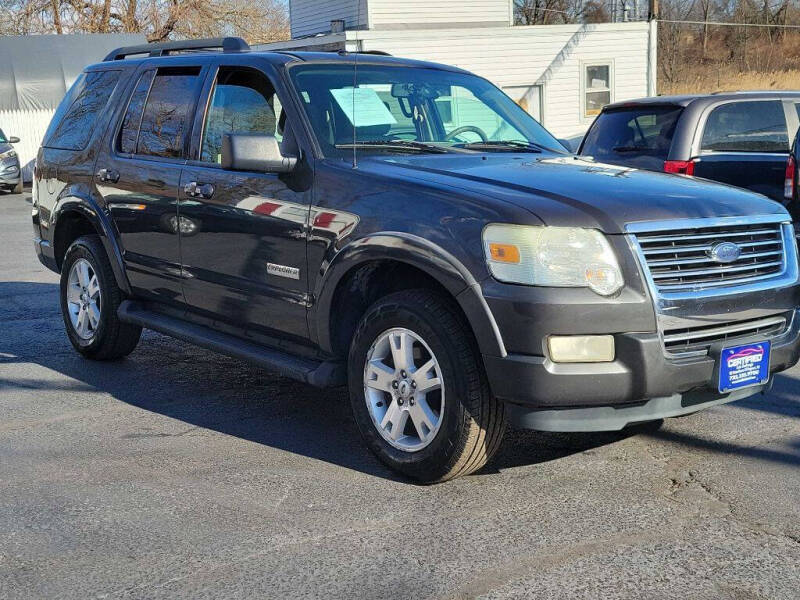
(108, 176)
(199, 190)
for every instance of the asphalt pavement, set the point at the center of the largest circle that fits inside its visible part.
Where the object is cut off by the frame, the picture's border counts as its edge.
(179, 473)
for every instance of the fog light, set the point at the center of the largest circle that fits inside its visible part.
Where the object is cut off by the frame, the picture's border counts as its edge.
(581, 348)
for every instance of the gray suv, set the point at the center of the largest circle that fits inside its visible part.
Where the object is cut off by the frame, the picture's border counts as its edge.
(738, 138)
(404, 229)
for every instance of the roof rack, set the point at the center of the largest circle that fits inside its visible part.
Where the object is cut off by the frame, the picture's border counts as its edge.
(374, 52)
(226, 44)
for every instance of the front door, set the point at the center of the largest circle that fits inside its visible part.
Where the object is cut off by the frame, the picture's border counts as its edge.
(138, 174)
(243, 234)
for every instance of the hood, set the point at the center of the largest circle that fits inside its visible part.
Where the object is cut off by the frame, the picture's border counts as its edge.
(5, 147)
(573, 191)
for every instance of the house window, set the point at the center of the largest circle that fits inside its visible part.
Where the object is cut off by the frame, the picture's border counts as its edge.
(597, 84)
(528, 97)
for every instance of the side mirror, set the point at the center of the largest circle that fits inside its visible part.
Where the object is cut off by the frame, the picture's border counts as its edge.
(13, 140)
(255, 152)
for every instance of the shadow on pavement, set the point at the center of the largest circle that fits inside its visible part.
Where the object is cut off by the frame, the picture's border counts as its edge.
(215, 392)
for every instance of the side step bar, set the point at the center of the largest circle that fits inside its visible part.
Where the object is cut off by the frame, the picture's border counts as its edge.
(318, 373)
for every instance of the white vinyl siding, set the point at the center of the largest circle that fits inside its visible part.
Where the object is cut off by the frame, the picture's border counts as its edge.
(550, 56)
(309, 17)
(412, 14)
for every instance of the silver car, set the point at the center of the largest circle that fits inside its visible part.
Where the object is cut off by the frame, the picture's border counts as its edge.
(10, 173)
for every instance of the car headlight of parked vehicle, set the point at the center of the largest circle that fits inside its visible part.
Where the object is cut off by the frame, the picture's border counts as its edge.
(552, 256)
(8, 154)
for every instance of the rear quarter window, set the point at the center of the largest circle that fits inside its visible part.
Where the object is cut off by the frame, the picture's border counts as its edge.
(755, 126)
(74, 122)
(636, 136)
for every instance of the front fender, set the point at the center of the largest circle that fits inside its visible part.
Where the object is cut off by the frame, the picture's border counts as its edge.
(87, 207)
(417, 252)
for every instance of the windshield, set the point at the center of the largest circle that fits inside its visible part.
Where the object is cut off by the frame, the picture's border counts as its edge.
(413, 110)
(3, 138)
(639, 136)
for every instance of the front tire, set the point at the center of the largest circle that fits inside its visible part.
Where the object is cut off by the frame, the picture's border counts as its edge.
(418, 390)
(90, 297)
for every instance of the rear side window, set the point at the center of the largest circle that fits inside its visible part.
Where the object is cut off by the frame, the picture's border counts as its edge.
(74, 122)
(160, 113)
(129, 134)
(639, 136)
(746, 127)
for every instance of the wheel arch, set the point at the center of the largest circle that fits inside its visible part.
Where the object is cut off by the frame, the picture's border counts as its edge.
(74, 216)
(412, 262)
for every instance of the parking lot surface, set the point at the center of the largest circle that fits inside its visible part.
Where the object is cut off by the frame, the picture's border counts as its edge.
(179, 473)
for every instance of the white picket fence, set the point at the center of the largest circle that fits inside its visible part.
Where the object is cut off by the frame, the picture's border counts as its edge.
(29, 126)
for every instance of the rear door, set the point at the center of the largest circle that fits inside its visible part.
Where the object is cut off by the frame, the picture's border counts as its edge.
(746, 143)
(243, 234)
(138, 174)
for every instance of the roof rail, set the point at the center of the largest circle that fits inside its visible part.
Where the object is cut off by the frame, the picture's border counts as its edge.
(374, 52)
(226, 44)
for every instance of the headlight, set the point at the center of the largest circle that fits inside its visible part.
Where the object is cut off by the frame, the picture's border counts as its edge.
(8, 154)
(552, 256)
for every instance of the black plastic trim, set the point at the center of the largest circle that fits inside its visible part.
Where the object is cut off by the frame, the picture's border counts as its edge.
(317, 373)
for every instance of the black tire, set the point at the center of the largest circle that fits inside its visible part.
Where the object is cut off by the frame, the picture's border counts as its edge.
(473, 421)
(112, 338)
(18, 187)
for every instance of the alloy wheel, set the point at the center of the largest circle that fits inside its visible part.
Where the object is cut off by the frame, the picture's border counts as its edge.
(403, 389)
(84, 299)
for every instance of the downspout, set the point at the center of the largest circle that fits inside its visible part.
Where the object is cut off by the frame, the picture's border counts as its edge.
(652, 57)
(652, 49)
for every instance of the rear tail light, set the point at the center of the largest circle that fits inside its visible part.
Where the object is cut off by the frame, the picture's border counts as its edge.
(788, 182)
(681, 167)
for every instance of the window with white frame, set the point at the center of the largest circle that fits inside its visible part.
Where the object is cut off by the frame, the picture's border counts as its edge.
(528, 97)
(597, 87)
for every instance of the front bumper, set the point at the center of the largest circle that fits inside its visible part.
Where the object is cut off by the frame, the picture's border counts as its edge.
(10, 176)
(644, 382)
(641, 371)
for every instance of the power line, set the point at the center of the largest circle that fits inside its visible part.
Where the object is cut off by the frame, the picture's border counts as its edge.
(727, 24)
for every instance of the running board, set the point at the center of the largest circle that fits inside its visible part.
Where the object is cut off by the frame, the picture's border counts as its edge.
(318, 373)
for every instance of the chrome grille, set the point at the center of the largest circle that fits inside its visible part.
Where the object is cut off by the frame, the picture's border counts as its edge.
(681, 260)
(698, 340)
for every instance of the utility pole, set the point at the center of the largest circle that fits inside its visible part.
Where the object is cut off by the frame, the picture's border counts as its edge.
(652, 13)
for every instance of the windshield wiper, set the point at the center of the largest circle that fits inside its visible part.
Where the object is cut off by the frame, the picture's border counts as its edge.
(396, 145)
(505, 145)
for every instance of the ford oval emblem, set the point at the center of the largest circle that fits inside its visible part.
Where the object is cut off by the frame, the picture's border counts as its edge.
(724, 252)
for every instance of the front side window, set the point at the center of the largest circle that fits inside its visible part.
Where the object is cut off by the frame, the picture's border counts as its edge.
(72, 127)
(412, 110)
(596, 89)
(749, 126)
(167, 114)
(242, 101)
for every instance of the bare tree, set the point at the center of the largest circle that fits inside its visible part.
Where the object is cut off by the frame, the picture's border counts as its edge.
(256, 20)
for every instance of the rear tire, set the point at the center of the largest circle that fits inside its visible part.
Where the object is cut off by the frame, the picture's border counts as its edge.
(90, 297)
(461, 423)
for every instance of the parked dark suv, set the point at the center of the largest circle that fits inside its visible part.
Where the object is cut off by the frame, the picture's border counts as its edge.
(406, 229)
(737, 138)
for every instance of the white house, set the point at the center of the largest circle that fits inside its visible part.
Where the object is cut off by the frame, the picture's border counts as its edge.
(562, 74)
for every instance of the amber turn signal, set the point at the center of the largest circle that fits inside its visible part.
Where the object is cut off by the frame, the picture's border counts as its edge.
(507, 253)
